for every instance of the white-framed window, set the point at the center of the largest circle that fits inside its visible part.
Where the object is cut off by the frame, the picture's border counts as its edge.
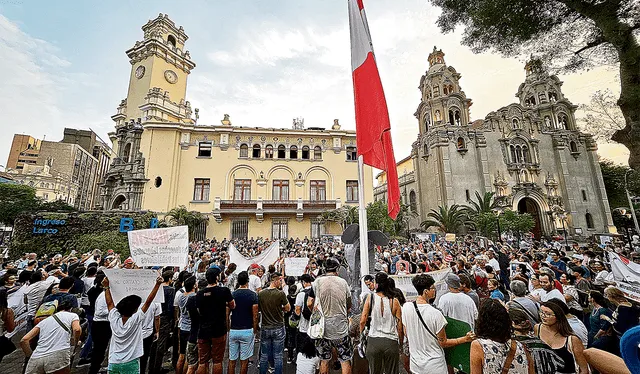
(317, 228)
(201, 189)
(279, 228)
(352, 190)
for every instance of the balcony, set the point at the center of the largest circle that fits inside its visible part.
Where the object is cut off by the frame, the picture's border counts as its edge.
(260, 207)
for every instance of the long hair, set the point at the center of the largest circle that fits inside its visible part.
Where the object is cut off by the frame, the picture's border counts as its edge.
(384, 286)
(493, 321)
(562, 324)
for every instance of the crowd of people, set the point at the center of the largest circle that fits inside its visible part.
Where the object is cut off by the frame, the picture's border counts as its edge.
(532, 306)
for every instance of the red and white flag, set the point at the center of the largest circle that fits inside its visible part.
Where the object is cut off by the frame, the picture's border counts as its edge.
(373, 128)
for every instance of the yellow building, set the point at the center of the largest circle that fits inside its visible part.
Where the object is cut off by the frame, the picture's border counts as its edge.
(250, 181)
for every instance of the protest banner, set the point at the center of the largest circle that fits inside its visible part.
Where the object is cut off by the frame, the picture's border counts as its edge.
(450, 237)
(15, 301)
(426, 237)
(167, 246)
(403, 282)
(295, 266)
(626, 274)
(268, 256)
(125, 282)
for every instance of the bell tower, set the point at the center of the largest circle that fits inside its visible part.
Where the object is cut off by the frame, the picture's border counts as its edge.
(159, 69)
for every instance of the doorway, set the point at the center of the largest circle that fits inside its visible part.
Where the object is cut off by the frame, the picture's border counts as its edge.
(528, 205)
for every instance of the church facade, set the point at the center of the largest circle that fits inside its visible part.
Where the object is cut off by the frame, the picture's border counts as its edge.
(530, 154)
(249, 181)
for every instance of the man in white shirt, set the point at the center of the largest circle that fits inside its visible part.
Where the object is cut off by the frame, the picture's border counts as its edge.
(255, 283)
(126, 323)
(151, 319)
(456, 304)
(550, 292)
(55, 334)
(40, 283)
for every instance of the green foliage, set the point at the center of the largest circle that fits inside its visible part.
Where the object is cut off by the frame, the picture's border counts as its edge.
(344, 216)
(484, 204)
(613, 176)
(485, 223)
(378, 218)
(55, 206)
(180, 216)
(104, 240)
(14, 200)
(516, 223)
(446, 219)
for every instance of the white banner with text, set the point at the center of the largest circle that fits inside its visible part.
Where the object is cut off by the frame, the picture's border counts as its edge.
(167, 246)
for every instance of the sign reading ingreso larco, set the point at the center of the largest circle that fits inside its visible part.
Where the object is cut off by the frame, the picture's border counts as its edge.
(47, 226)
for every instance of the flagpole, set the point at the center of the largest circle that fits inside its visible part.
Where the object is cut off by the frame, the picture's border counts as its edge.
(362, 221)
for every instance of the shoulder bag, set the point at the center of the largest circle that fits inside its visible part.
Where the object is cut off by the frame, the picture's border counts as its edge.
(316, 322)
(362, 347)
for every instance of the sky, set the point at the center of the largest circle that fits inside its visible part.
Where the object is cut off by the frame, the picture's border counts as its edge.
(264, 63)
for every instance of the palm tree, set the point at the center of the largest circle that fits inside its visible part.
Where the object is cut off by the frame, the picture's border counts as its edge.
(484, 204)
(447, 219)
(180, 216)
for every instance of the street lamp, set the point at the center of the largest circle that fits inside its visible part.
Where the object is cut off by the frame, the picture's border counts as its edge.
(563, 217)
(633, 212)
(625, 213)
(498, 211)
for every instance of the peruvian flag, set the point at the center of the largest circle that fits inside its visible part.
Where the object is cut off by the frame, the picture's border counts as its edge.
(373, 129)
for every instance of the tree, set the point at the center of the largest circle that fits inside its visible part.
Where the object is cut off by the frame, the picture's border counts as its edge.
(485, 223)
(516, 223)
(446, 219)
(344, 216)
(484, 204)
(603, 116)
(14, 200)
(613, 177)
(180, 216)
(378, 218)
(55, 206)
(572, 34)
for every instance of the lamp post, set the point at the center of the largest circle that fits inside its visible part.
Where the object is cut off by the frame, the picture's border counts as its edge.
(498, 211)
(625, 213)
(563, 217)
(633, 212)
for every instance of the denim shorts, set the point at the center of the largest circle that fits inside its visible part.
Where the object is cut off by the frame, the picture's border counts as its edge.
(241, 344)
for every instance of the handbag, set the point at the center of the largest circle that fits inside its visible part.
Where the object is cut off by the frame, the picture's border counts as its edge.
(362, 347)
(316, 323)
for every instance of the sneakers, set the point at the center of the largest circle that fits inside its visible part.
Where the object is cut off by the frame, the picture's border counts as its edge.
(83, 362)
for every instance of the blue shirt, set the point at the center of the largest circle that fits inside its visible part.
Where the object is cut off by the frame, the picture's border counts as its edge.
(561, 266)
(496, 294)
(242, 315)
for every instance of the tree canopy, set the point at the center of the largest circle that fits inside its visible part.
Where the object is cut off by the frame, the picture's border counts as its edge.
(16, 199)
(446, 219)
(568, 34)
(613, 177)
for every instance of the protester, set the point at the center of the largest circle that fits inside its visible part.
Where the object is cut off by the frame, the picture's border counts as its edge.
(545, 360)
(598, 326)
(166, 324)
(273, 304)
(184, 322)
(244, 324)
(495, 349)
(456, 304)
(7, 324)
(624, 317)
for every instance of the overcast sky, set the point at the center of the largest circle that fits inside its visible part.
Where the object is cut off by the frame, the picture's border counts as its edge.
(263, 62)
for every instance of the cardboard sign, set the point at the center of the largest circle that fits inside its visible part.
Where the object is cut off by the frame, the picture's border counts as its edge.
(450, 237)
(160, 247)
(295, 266)
(125, 282)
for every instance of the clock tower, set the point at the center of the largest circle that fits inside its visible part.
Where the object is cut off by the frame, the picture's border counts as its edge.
(159, 69)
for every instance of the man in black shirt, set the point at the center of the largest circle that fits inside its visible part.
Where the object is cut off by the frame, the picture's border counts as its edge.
(166, 324)
(212, 303)
(192, 342)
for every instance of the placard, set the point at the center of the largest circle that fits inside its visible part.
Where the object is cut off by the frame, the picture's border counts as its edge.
(125, 282)
(450, 237)
(295, 266)
(167, 246)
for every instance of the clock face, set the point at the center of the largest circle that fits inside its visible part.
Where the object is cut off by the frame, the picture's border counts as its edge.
(140, 72)
(170, 76)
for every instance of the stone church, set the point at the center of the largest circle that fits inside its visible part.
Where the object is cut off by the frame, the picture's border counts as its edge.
(530, 154)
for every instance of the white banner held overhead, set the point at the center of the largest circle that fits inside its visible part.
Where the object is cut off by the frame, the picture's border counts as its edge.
(626, 275)
(125, 282)
(295, 266)
(167, 246)
(268, 256)
(403, 282)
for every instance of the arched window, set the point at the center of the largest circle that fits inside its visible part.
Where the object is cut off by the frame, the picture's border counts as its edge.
(268, 151)
(542, 98)
(451, 90)
(425, 150)
(451, 119)
(244, 150)
(305, 153)
(518, 154)
(282, 152)
(293, 152)
(456, 118)
(127, 152)
(445, 90)
(158, 182)
(563, 121)
(573, 147)
(553, 97)
(413, 204)
(526, 157)
(515, 124)
(172, 40)
(512, 148)
(256, 151)
(317, 153)
(589, 219)
(461, 144)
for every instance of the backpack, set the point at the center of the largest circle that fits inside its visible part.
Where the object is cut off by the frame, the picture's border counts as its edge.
(45, 310)
(306, 312)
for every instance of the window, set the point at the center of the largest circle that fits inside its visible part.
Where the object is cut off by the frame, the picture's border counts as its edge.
(281, 151)
(242, 189)
(461, 144)
(352, 154)
(293, 152)
(317, 229)
(413, 204)
(201, 189)
(268, 151)
(280, 189)
(520, 153)
(352, 190)
(172, 40)
(305, 153)
(45, 196)
(280, 229)
(573, 147)
(317, 153)
(584, 195)
(436, 91)
(240, 229)
(244, 151)
(204, 149)
(466, 194)
(514, 124)
(589, 219)
(158, 182)
(127, 152)
(318, 190)
(563, 121)
(256, 151)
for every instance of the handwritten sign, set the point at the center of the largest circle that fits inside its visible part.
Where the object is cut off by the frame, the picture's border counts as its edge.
(125, 282)
(450, 237)
(160, 247)
(295, 266)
